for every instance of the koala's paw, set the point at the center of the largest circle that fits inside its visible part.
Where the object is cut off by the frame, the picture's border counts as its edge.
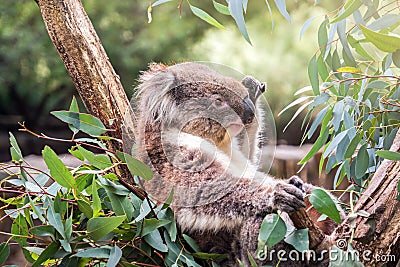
(289, 196)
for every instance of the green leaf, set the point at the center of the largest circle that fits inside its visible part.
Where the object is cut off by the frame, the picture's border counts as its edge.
(19, 228)
(191, 242)
(348, 9)
(297, 113)
(298, 239)
(322, 68)
(55, 220)
(149, 225)
(16, 154)
(306, 25)
(297, 101)
(272, 231)
(58, 170)
(102, 252)
(100, 226)
(396, 58)
(47, 253)
(334, 143)
(317, 121)
(281, 5)
(43, 230)
(100, 161)
(362, 161)
(115, 257)
(384, 42)
(120, 204)
(138, 168)
(74, 108)
(95, 198)
(4, 252)
(154, 239)
(159, 2)
(206, 17)
(209, 256)
(313, 75)
(236, 11)
(253, 263)
(357, 46)
(321, 140)
(322, 37)
(85, 207)
(84, 122)
(221, 8)
(324, 204)
(386, 154)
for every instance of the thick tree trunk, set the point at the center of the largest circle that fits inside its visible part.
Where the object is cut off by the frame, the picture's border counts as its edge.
(377, 237)
(86, 61)
(100, 89)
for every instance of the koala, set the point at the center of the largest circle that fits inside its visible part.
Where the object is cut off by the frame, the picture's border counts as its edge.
(191, 123)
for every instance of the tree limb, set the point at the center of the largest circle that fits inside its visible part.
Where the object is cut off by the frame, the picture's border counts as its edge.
(86, 61)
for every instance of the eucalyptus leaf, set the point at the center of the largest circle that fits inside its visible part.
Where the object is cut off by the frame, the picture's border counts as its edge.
(384, 42)
(58, 170)
(281, 4)
(16, 154)
(82, 121)
(362, 161)
(272, 231)
(55, 221)
(47, 253)
(313, 75)
(391, 155)
(236, 11)
(298, 239)
(348, 9)
(4, 252)
(115, 257)
(138, 168)
(306, 25)
(206, 17)
(324, 204)
(154, 239)
(97, 253)
(100, 226)
(100, 161)
(221, 8)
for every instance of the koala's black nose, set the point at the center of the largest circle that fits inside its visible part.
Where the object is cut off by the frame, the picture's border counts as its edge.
(248, 111)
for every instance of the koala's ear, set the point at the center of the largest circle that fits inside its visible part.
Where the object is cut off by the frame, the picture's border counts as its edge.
(153, 69)
(155, 84)
(254, 87)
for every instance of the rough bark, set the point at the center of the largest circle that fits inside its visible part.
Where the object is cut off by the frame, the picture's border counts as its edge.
(378, 233)
(86, 61)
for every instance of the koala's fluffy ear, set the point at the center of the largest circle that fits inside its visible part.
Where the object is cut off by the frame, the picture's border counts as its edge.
(254, 87)
(155, 83)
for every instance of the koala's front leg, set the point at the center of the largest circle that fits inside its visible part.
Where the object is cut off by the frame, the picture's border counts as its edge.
(288, 196)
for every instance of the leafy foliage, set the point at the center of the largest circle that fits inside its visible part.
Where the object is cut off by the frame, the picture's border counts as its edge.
(354, 80)
(235, 8)
(83, 215)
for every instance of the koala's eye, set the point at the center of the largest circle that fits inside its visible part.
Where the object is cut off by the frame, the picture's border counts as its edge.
(218, 102)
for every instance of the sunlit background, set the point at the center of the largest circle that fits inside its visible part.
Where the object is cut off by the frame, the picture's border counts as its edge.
(33, 80)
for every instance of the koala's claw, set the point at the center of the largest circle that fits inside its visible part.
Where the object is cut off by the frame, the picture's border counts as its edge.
(288, 197)
(296, 181)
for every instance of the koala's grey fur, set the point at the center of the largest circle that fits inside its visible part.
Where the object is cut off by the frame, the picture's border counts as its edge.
(189, 135)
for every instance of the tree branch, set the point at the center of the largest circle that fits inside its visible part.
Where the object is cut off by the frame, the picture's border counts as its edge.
(86, 61)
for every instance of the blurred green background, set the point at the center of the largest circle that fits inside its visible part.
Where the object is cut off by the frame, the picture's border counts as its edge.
(33, 80)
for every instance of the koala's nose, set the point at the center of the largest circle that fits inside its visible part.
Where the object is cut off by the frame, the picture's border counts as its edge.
(248, 111)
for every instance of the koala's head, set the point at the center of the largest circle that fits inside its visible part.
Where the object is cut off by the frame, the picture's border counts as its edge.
(196, 99)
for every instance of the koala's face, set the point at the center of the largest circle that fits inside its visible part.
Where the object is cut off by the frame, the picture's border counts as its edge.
(211, 110)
